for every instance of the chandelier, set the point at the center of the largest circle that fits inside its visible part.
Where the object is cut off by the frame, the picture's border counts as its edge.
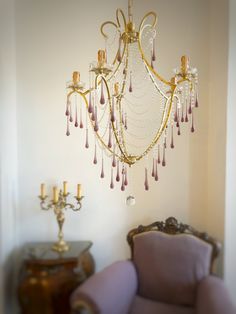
(133, 111)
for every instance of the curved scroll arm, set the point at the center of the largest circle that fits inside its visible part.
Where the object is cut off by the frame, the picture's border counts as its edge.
(107, 23)
(153, 25)
(119, 11)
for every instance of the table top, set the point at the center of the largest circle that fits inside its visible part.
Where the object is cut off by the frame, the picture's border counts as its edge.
(43, 250)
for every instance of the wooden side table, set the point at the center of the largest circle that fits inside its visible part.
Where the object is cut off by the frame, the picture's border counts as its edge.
(47, 278)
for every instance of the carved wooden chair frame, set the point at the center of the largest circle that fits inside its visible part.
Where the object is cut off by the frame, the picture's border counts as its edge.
(173, 227)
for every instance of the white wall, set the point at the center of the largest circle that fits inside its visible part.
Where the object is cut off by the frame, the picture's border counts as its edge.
(53, 39)
(230, 248)
(8, 153)
(218, 63)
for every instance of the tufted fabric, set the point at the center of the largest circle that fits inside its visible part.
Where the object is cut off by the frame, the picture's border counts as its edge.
(169, 267)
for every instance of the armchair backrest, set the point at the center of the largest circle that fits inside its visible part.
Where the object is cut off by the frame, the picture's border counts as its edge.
(171, 259)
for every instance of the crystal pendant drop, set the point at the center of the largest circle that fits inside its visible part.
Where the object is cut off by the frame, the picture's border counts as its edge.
(76, 118)
(90, 107)
(192, 126)
(109, 140)
(196, 101)
(95, 161)
(114, 160)
(159, 155)
(93, 113)
(113, 111)
(112, 181)
(146, 185)
(86, 143)
(172, 137)
(182, 115)
(186, 113)
(118, 172)
(130, 83)
(68, 127)
(153, 50)
(102, 171)
(156, 172)
(123, 179)
(71, 117)
(102, 98)
(164, 157)
(153, 168)
(67, 113)
(126, 177)
(190, 108)
(96, 121)
(81, 125)
(179, 132)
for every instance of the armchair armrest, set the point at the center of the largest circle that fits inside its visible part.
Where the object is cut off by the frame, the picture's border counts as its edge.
(213, 297)
(109, 291)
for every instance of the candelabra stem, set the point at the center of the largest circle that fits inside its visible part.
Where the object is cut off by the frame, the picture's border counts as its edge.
(130, 6)
(60, 245)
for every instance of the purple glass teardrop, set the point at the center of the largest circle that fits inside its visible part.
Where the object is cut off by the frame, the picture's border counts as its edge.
(153, 50)
(186, 113)
(112, 181)
(130, 83)
(76, 118)
(71, 118)
(102, 98)
(123, 180)
(102, 171)
(192, 127)
(156, 172)
(96, 121)
(109, 140)
(164, 157)
(93, 113)
(68, 127)
(86, 143)
(67, 113)
(190, 108)
(196, 102)
(182, 115)
(118, 172)
(172, 137)
(90, 107)
(113, 111)
(159, 155)
(153, 168)
(126, 177)
(114, 160)
(81, 120)
(95, 161)
(179, 132)
(146, 185)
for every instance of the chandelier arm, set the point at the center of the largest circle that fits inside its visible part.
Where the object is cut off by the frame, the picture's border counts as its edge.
(119, 64)
(107, 23)
(162, 128)
(141, 49)
(74, 91)
(122, 93)
(112, 123)
(123, 16)
(151, 13)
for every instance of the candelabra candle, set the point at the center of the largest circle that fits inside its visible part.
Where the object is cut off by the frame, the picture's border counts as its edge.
(59, 203)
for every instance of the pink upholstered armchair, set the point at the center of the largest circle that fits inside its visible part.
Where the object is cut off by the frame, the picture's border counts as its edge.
(169, 273)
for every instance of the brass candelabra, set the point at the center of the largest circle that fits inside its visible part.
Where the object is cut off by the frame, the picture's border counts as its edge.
(59, 204)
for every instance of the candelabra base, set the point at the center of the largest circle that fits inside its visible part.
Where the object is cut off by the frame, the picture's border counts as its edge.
(60, 246)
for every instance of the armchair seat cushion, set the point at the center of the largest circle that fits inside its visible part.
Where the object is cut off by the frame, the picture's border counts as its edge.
(141, 305)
